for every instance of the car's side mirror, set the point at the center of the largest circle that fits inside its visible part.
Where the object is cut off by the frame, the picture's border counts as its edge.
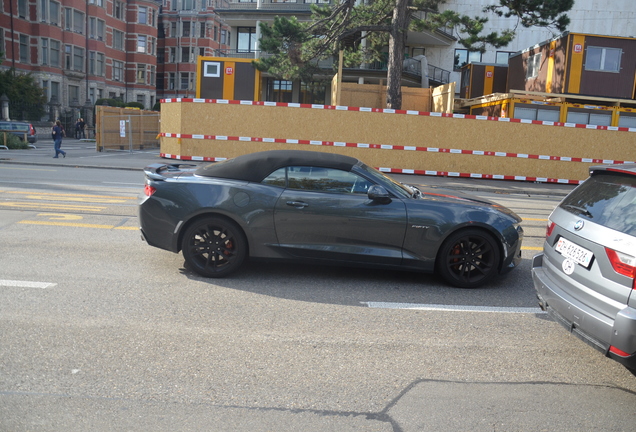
(379, 194)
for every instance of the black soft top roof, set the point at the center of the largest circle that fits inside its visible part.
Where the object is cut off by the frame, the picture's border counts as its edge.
(254, 167)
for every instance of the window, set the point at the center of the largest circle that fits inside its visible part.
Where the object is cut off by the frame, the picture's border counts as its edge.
(55, 53)
(54, 16)
(173, 55)
(202, 30)
(151, 76)
(24, 49)
(78, 22)
(173, 29)
(279, 90)
(246, 39)
(313, 93)
(118, 40)
(23, 8)
(45, 89)
(142, 15)
(99, 65)
(171, 80)
(603, 59)
(119, 10)
(186, 53)
(185, 81)
(224, 37)
(187, 4)
(503, 56)
(534, 64)
(68, 18)
(91, 95)
(141, 43)
(141, 74)
(96, 28)
(68, 50)
(118, 70)
(55, 91)
(73, 95)
(45, 51)
(78, 59)
(202, 52)
(211, 69)
(96, 63)
(44, 10)
(185, 28)
(141, 99)
(463, 57)
(151, 45)
(318, 179)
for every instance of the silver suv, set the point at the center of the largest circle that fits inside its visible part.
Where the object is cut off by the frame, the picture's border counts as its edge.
(585, 277)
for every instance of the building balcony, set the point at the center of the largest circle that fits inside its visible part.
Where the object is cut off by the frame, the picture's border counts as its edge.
(267, 6)
(412, 66)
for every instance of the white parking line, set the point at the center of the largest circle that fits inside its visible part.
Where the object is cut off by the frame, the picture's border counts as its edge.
(26, 284)
(452, 308)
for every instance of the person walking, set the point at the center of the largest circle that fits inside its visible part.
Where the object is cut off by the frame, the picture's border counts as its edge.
(57, 135)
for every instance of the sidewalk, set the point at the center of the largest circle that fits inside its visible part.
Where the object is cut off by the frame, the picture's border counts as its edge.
(83, 154)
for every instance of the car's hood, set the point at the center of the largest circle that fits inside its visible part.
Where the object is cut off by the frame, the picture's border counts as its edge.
(457, 197)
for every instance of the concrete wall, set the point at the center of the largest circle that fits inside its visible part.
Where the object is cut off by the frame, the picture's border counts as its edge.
(439, 144)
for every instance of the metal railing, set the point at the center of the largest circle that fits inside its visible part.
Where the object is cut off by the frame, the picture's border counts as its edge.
(290, 6)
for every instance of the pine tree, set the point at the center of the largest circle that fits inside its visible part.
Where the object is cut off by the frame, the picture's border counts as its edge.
(295, 47)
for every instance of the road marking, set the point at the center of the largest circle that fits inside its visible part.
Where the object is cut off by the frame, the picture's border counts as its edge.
(65, 195)
(26, 284)
(77, 225)
(532, 248)
(452, 308)
(41, 206)
(535, 219)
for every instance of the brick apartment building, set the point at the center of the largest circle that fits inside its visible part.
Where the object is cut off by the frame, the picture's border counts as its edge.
(84, 50)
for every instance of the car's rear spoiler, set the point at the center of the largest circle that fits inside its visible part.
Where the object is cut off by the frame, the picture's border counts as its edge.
(154, 171)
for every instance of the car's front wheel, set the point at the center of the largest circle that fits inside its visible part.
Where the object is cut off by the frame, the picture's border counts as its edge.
(468, 258)
(214, 247)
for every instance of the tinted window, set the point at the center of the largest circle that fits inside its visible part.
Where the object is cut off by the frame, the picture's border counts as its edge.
(319, 179)
(606, 199)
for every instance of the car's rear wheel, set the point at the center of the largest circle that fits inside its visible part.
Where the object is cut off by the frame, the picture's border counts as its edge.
(468, 258)
(214, 247)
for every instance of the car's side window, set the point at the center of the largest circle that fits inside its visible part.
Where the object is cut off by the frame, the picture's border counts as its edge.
(277, 178)
(325, 180)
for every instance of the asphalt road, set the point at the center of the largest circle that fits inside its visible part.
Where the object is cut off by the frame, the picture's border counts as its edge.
(100, 332)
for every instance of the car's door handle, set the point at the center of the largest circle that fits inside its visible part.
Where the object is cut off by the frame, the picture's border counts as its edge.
(297, 204)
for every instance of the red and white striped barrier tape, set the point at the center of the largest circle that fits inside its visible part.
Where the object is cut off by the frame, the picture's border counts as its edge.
(411, 171)
(393, 147)
(393, 111)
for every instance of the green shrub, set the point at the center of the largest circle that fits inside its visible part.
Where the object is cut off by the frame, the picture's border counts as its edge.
(12, 141)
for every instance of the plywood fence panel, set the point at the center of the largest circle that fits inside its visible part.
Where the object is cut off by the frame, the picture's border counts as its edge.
(329, 125)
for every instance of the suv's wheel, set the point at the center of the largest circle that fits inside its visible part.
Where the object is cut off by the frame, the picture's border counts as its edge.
(214, 247)
(468, 258)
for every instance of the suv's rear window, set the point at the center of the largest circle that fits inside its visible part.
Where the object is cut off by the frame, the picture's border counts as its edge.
(606, 199)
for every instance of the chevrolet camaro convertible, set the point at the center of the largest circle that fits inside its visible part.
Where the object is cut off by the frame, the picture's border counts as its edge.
(325, 208)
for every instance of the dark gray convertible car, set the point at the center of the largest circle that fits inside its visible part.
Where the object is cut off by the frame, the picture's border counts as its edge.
(322, 208)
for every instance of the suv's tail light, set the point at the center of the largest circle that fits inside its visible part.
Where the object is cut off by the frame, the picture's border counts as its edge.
(149, 190)
(549, 228)
(623, 264)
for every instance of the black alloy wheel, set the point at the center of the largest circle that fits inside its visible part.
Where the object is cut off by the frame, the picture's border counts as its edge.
(468, 258)
(214, 247)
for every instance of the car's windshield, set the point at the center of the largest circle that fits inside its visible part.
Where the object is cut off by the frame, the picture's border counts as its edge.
(606, 199)
(400, 189)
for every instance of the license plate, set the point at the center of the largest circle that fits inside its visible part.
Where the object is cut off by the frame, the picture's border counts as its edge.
(574, 252)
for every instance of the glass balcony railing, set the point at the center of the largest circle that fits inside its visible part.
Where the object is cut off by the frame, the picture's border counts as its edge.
(411, 65)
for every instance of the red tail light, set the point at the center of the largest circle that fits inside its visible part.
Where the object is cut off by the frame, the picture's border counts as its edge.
(549, 228)
(623, 264)
(618, 352)
(149, 190)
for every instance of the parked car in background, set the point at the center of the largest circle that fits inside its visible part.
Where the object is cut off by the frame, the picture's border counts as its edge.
(586, 276)
(324, 208)
(19, 129)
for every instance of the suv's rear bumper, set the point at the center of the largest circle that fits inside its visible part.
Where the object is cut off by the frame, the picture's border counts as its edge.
(593, 328)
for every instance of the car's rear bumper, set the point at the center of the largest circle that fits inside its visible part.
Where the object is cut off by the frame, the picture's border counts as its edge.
(597, 330)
